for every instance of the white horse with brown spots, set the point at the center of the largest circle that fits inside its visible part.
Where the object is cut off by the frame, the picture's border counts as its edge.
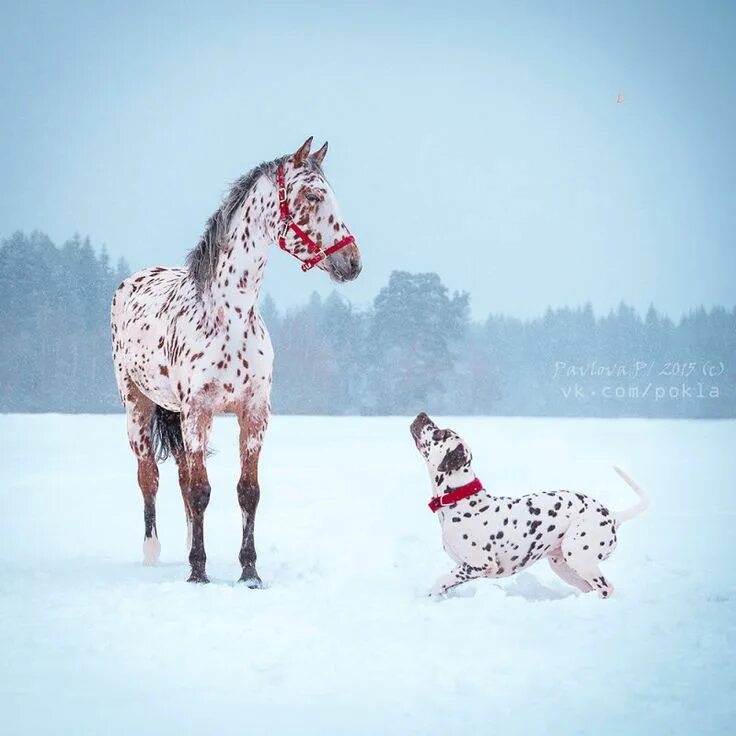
(189, 343)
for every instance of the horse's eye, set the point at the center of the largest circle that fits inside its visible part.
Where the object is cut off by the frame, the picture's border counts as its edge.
(313, 198)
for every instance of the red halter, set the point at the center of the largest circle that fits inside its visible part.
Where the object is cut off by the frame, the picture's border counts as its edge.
(288, 222)
(447, 499)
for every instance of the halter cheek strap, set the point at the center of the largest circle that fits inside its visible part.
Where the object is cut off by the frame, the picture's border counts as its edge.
(287, 223)
(458, 494)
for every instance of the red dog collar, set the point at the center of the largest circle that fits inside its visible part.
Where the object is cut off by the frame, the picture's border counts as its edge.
(447, 499)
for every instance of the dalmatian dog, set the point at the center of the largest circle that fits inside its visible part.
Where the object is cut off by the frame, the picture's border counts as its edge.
(497, 536)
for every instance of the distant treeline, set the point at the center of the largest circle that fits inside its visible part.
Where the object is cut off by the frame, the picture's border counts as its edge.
(55, 342)
(415, 348)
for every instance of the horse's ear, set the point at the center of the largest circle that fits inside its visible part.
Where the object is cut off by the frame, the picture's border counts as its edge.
(301, 155)
(319, 156)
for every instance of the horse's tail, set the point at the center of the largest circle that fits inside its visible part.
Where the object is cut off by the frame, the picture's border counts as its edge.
(166, 433)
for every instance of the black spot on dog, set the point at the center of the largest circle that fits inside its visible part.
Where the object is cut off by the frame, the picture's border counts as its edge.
(453, 460)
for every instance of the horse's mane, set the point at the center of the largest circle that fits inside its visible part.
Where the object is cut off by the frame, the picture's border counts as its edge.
(202, 259)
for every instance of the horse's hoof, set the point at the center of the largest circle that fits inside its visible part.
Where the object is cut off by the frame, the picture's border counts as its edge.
(251, 581)
(198, 577)
(151, 551)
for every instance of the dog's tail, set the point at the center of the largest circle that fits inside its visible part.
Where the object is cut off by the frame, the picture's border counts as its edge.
(637, 508)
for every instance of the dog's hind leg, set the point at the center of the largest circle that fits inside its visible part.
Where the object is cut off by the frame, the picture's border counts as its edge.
(566, 573)
(580, 552)
(594, 577)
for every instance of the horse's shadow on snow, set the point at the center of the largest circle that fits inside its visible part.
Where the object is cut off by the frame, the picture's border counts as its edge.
(167, 573)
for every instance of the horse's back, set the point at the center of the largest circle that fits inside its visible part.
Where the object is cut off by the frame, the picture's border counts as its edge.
(149, 285)
(143, 308)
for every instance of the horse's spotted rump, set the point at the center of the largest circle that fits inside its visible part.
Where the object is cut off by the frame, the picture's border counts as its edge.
(189, 343)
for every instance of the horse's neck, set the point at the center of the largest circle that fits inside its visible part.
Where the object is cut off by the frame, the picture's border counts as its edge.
(242, 261)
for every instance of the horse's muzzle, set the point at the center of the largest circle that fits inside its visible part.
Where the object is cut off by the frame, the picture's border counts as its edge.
(345, 265)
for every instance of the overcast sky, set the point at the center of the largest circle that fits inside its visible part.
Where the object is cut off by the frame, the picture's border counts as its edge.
(481, 141)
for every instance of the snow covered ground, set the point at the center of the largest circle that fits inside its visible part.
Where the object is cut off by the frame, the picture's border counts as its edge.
(343, 640)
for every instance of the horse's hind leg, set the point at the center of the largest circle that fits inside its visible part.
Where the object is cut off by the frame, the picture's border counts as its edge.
(140, 411)
(182, 463)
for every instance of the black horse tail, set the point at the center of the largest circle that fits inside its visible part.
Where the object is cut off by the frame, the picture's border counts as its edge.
(166, 433)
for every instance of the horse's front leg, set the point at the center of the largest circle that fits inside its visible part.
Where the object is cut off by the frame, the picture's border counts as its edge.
(252, 428)
(195, 428)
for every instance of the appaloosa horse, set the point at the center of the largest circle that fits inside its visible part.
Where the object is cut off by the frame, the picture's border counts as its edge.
(189, 343)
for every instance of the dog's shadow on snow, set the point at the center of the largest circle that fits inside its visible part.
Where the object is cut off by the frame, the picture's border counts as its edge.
(527, 586)
(524, 585)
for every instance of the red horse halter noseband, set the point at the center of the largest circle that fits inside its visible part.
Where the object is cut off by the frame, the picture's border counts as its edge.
(288, 223)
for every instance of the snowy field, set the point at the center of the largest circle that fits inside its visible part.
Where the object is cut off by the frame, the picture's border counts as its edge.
(343, 639)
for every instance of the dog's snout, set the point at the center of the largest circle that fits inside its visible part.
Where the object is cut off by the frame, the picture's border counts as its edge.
(419, 423)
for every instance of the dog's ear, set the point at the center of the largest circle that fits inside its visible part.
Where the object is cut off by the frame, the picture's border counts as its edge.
(453, 460)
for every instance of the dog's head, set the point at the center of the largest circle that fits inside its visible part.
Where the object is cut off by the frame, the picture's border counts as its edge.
(444, 450)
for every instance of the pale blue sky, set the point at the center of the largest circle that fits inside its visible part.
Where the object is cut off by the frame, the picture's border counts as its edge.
(481, 141)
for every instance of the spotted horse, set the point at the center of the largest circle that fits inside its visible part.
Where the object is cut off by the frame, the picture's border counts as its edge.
(190, 343)
(496, 536)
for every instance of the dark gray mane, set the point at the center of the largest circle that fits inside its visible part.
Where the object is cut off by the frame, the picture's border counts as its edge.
(202, 259)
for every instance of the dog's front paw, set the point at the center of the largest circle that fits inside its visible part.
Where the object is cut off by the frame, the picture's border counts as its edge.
(438, 590)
